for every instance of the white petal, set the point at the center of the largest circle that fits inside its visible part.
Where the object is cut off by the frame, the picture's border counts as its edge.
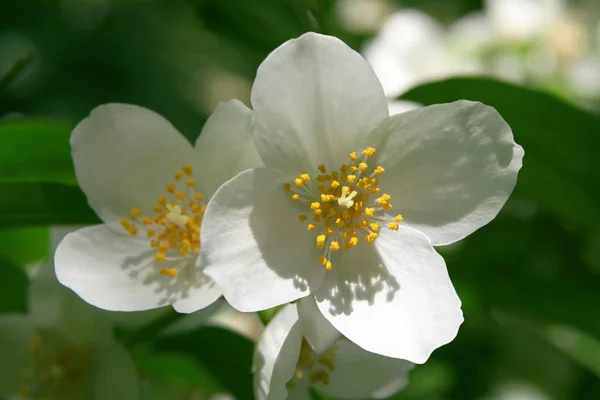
(54, 306)
(277, 355)
(360, 374)
(319, 332)
(394, 298)
(400, 106)
(449, 168)
(253, 245)
(301, 391)
(226, 146)
(315, 101)
(116, 272)
(124, 156)
(15, 335)
(114, 374)
(200, 296)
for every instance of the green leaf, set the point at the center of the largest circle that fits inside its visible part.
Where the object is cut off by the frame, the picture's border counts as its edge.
(41, 203)
(33, 149)
(561, 167)
(179, 369)
(13, 287)
(530, 268)
(227, 355)
(25, 246)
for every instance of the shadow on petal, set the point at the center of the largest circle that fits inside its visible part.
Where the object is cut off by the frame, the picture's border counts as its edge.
(359, 276)
(284, 243)
(144, 268)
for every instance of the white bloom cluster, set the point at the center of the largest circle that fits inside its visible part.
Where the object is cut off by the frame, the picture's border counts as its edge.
(543, 42)
(315, 196)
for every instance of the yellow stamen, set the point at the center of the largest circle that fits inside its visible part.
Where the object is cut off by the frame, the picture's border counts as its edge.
(369, 151)
(305, 177)
(343, 203)
(321, 241)
(174, 229)
(135, 213)
(187, 169)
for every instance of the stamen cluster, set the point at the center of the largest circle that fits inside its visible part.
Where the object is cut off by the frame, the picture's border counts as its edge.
(316, 367)
(58, 369)
(174, 228)
(343, 206)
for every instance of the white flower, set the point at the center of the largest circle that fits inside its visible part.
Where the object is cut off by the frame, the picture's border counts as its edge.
(322, 220)
(286, 367)
(409, 50)
(523, 19)
(521, 40)
(64, 349)
(149, 186)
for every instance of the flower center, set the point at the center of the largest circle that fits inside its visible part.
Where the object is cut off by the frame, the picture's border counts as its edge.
(316, 368)
(59, 370)
(343, 206)
(174, 228)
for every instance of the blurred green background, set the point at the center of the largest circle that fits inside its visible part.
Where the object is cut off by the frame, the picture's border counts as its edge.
(529, 281)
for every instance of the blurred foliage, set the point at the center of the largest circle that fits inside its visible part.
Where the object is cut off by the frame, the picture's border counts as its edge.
(25, 246)
(43, 203)
(529, 280)
(226, 354)
(23, 158)
(13, 288)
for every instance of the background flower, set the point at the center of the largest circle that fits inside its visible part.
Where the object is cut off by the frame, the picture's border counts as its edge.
(286, 367)
(63, 348)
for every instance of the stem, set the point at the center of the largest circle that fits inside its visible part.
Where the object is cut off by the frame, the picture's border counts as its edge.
(150, 330)
(16, 68)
